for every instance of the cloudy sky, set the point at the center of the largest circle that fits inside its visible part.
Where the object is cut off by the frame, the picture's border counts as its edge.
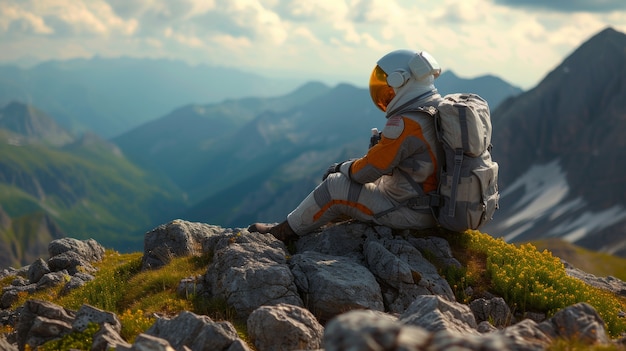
(329, 40)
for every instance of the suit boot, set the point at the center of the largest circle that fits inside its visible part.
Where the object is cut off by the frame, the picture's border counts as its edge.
(282, 231)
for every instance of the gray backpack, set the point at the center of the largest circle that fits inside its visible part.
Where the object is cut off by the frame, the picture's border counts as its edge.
(467, 196)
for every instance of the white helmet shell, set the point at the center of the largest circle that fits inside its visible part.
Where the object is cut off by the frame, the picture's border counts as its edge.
(401, 65)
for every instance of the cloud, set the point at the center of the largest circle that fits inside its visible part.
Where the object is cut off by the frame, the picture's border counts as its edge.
(568, 5)
(337, 39)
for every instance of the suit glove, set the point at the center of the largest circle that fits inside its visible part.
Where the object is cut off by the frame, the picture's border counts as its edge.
(334, 168)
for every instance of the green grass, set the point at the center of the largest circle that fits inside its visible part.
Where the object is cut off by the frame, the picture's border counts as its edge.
(531, 280)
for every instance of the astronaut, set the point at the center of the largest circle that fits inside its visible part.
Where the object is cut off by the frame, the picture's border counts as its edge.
(377, 187)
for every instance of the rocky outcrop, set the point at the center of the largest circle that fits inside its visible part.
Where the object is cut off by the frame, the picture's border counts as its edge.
(69, 261)
(352, 286)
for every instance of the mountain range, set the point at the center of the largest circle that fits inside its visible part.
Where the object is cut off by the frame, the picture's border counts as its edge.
(110, 96)
(560, 148)
(54, 185)
(248, 159)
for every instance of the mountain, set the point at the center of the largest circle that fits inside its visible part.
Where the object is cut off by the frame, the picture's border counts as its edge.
(111, 96)
(26, 238)
(560, 148)
(86, 188)
(34, 125)
(181, 143)
(491, 88)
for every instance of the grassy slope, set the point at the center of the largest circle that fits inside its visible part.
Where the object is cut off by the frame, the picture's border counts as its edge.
(87, 190)
(596, 263)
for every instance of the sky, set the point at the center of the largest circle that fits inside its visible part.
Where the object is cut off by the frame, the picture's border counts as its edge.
(332, 41)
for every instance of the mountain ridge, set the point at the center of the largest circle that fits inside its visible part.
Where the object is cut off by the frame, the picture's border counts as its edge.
(558, 143)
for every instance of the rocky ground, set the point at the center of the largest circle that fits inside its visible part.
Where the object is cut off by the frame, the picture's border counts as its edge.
(351, 286)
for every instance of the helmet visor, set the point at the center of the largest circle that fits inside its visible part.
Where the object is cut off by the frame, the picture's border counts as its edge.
(380, 91)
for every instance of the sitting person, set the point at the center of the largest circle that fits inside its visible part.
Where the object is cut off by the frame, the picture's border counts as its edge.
(376, 187)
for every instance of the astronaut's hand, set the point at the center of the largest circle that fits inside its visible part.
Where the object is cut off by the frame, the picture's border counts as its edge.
(334, 168)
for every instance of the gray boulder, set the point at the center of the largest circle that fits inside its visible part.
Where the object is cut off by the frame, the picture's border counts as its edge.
(284, 328)
(372, 330)
(174, 239)
(53, 279)
(107, 338)
(580, 321)
(77, 280)
(438, 248)
(88, 249)
(198, 333)
(610, 283)
(70, 261)
(89, 314)
(401, 266)
(250, 271)
(435, 313)
(145, 342)
(494, 309)
(331, 285)
(42, 321)
(37, 269)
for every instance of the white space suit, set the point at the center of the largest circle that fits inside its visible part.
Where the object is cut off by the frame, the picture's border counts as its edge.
(372, 188)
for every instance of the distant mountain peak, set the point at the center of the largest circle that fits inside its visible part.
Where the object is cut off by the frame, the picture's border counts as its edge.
(91, 140)
(33, 124)
(573, 118)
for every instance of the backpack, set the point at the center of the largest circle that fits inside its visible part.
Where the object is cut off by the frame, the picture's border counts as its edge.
(467, 195)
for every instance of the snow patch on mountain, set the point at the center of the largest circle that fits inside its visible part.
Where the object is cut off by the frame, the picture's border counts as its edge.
(545, 189)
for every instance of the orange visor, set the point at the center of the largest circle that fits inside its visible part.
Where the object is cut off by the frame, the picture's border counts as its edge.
(380, 91)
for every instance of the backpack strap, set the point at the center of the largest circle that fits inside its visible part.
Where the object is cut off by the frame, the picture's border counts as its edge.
(458, 159)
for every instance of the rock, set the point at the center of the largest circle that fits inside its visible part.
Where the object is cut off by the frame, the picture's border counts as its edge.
(37, 269)
(333, 284)
(486, 327)
(250, 271)
(107, 338)
(444, 340)
(494, 310)
(145, 342)
(53, 279)
(345, 239)
(41, 321)
(195, 332)
(20, 281)
(400, 265)
(609, 283)
(10, 294)
(8, 298)
(89, 314)
(5, 345)
(77, 280)
(580, 321)
(438, 248)
(89, 250)
(372, 330)
(69, 261)
(284, 327)
(526, 335)
(174, 239)
(434, 313)
(8, 272)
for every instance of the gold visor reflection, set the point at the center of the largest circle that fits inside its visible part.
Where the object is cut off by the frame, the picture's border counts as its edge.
(380, 91)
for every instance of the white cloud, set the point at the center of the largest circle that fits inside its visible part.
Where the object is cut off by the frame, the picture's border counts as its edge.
(308, 39)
